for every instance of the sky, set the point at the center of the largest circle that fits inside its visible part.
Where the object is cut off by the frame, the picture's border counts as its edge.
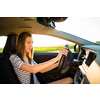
(85, 27)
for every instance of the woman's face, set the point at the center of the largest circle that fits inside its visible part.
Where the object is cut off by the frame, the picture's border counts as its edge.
(28, 44)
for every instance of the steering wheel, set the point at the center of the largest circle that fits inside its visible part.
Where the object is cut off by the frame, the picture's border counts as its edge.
(63, 67)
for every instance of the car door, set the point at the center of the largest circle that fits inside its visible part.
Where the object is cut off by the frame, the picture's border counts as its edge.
(50, 75)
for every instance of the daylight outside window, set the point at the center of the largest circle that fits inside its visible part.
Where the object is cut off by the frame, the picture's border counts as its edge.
(84, 27)
(44, 43)
(2, 43)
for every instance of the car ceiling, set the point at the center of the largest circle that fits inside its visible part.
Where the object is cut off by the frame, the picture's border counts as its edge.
(17, 25)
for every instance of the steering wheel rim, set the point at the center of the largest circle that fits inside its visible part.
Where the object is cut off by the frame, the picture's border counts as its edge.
(63, 63)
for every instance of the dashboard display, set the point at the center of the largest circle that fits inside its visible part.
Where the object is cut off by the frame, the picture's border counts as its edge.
(90, 56)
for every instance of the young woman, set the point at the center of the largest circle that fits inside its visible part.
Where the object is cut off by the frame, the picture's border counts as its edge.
(24, 64)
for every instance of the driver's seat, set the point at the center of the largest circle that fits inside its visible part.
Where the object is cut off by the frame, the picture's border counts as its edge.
(7, 73)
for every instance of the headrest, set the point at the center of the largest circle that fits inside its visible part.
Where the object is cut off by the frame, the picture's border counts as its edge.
(10, 46)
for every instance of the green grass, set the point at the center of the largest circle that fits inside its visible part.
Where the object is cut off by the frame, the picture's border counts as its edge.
(47, 49)
(1, 50)
(50, 48)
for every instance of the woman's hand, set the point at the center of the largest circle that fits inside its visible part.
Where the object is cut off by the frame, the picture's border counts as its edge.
(63, 51)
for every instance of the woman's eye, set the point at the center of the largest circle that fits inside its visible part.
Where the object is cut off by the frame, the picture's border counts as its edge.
(30, 42)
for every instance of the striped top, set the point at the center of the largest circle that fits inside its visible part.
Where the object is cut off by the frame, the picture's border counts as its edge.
(23, 76)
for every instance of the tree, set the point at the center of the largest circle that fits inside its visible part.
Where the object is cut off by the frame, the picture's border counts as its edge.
(98, 42)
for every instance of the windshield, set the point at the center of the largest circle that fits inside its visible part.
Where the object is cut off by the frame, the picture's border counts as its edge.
(84, 27)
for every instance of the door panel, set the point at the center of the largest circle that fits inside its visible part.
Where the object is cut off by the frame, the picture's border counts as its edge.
(42, 57)
(1, 54)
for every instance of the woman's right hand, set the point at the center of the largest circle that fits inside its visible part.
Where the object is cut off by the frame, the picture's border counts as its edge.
(63, 51)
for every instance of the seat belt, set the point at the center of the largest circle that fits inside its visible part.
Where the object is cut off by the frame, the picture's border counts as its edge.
(31, 79)
(31, 76)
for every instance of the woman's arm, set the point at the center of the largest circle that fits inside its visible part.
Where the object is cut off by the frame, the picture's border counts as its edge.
(50, 67)
(39, 67)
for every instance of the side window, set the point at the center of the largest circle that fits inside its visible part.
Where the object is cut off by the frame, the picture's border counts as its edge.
(2, 42)
(44, 43)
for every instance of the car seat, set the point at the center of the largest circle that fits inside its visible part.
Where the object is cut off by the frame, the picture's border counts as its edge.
(7, 73)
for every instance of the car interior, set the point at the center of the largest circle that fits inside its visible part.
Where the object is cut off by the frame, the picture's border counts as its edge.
(83, 66)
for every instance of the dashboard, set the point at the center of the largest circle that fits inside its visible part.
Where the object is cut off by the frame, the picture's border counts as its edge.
(86, 72)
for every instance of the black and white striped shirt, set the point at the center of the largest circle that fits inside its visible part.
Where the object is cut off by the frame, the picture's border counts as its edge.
(23, 76)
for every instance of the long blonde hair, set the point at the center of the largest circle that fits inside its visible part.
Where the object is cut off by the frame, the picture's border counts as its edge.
(21, 46)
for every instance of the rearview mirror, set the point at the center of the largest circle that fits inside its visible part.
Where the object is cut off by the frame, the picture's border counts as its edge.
(50, 21)
(46, 21)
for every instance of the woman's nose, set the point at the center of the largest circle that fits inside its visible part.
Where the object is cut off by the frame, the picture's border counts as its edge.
(30, 44)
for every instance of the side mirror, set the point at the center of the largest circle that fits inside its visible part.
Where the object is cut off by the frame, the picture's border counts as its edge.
(77, 48)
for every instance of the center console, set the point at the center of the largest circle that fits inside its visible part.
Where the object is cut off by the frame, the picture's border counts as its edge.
(80, 73)
(89, 56)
